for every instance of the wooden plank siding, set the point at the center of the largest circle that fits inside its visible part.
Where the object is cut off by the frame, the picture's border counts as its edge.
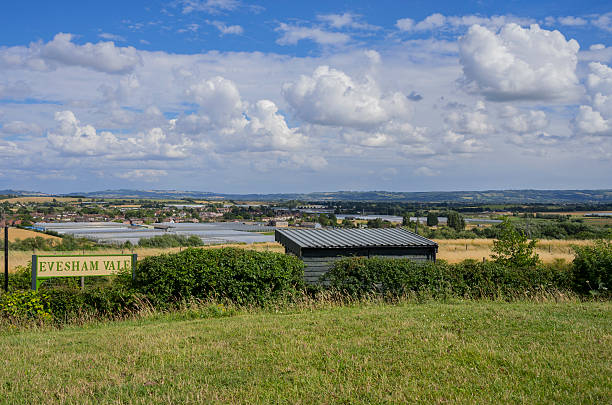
(320, 249)
(319, 261)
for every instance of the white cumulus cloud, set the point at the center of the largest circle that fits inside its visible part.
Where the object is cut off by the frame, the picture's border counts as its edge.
(331, 97)
(523, 122)
(466, 121)
(72, 138)
(596, 118)
(520, 63)
(103, 56)
(268, 129)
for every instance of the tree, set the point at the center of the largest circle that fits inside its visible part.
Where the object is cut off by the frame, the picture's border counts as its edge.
(375, 223)
(432, 219)
(406, 219)
(333, 221)
(455, 221)
(347, 223)
(513, 249)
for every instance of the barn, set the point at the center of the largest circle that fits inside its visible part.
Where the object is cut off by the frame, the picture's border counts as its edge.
(319, 248)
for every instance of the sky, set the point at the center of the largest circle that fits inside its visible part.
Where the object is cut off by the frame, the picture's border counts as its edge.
(235, 96)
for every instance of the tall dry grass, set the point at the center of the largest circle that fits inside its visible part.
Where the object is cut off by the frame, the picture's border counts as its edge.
(457, 250)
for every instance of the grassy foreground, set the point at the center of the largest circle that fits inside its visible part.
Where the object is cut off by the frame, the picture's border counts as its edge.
(466, 352)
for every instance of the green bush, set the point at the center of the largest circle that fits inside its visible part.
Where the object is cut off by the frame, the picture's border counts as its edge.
(593, 267)
(24, 305)
(100, 302)
(242, 276)
(69, 304)
(20, 279)
(469, 279)
(513, 249)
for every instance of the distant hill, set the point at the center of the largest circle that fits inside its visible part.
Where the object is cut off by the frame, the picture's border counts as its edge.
(21, 193)
(466, 197)
(480, 197)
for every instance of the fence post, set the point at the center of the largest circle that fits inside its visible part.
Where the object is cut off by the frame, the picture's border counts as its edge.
(34, 270)
(6, 253)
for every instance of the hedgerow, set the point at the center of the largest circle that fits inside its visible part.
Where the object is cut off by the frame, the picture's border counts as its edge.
(593, 267)
(239, 275)
(469, 279)
(170, 240)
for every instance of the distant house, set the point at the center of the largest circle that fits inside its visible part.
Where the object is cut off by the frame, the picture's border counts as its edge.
(319, 248)
(279, 224)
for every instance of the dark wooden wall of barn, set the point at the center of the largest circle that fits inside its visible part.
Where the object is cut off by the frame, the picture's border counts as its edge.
(319, 261)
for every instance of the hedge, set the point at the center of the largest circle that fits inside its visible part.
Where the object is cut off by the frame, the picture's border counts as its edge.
(593, 268)
(239, 275)
(469, 279)
(65, 305)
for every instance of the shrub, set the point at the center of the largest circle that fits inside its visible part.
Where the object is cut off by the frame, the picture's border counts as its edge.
(100, 302)
(20, 279)
(469, 279)
(593, 267)
(512, 249)
(242, 276)
(24, 305)
(170, 240)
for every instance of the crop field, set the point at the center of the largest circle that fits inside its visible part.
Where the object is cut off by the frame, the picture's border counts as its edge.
(459, 352)
(456, 250)
(18, 233)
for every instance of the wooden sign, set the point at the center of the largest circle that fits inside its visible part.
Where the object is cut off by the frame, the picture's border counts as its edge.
(51, 266)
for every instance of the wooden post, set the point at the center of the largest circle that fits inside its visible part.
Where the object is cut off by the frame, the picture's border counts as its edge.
(6, 253)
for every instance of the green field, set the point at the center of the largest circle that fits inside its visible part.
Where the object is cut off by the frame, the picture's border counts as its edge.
(466, 352)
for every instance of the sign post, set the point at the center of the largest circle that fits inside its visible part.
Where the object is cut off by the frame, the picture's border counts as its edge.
(52, 266)
(6, 253)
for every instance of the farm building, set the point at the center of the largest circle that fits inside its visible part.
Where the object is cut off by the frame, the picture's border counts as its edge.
(319, 248)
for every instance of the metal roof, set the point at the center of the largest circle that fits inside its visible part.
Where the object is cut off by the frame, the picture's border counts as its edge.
(349, 238)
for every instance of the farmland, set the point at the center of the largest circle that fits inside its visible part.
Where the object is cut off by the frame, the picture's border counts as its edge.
(456, 250)
(459, 352)
(451, 250)
(19, 233)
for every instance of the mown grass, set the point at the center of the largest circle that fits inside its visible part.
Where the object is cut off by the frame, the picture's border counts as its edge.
(456, 352)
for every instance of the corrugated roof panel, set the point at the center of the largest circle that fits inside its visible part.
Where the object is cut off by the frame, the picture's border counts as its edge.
(336, 238)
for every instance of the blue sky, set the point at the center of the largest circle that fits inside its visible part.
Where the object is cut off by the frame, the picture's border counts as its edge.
(282, 96)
